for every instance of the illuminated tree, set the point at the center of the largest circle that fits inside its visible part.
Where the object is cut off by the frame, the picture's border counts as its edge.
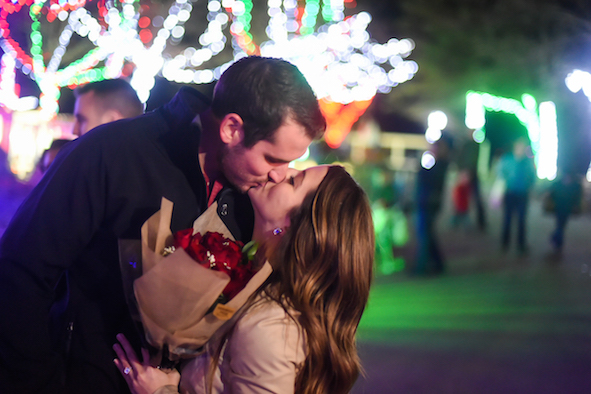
(329, 43)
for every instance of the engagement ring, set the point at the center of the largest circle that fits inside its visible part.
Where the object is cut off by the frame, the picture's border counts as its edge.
(127, 370)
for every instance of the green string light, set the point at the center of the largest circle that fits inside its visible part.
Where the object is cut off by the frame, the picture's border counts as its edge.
(36, 39)
(64, 77)
(246, 17)
(327, 13)
(309, 18)
(93, 75)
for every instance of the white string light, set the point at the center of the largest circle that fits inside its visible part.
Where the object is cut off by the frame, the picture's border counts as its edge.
(338, 58)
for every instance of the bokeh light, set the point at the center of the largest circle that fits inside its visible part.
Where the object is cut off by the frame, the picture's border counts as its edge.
(344, 65)
(428, 160)
(436, 122)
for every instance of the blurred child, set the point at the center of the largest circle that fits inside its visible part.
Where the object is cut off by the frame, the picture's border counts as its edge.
(461, 200)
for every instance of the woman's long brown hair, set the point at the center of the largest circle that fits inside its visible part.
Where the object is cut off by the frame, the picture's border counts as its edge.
(323, 269)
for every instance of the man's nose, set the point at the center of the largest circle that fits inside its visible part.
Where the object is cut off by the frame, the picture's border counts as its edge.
(278, 173)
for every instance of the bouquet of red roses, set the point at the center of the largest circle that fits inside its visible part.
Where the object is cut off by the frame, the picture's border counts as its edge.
(214, 251)
(193, 282)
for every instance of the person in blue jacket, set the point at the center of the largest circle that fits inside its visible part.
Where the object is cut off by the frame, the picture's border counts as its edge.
(61, 295)
(518, 170)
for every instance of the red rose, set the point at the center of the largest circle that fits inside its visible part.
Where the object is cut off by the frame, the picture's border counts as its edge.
(239, 277)
(213, 250)
(213, 241)
(229, 257)
(224, 254)
(232, 289)
(196, 249)
(234, 254)
(183, 238)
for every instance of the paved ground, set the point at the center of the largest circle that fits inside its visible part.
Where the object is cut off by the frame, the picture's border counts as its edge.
(494, 323)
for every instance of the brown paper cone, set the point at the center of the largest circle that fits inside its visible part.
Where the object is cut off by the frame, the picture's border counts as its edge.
(175, 292)
(179, 291)
(156, 235)
(200, 333)
(210, 221)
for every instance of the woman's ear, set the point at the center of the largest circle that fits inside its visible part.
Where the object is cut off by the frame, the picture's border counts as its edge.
(232, 130)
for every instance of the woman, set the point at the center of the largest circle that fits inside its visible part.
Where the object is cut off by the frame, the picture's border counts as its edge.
(297, 334)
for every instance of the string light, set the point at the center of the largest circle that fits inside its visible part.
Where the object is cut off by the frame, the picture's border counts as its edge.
(436, 122)
(579, 80)
(427, 160)
(338, 57)
(336, 54)
(9, 89)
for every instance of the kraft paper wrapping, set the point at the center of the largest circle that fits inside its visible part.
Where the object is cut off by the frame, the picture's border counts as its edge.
(174, 293)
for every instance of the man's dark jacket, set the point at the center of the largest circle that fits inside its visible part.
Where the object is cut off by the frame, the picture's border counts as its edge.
(61, 297)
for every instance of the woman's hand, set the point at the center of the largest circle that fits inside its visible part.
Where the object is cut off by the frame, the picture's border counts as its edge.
(141, 377)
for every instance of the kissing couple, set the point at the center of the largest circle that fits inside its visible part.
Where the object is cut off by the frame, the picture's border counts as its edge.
(295, 333)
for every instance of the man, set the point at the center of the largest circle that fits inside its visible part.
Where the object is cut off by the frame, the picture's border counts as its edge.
(519, 173)
(430, 185)
(105, 185)
(96, 103)
(102, 102)
(564, 198)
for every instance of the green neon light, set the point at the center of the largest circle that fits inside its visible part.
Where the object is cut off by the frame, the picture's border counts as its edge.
(541, 126)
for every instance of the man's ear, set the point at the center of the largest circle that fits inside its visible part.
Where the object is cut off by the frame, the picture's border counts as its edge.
(231, 129)
(111, 115)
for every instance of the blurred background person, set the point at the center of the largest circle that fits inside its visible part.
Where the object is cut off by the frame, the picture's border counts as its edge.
(430, 185)
(50, 153)
(563, 199)
(461, 200)
(96, 103)
(102, 102)
(467, 160)
(518, 170)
